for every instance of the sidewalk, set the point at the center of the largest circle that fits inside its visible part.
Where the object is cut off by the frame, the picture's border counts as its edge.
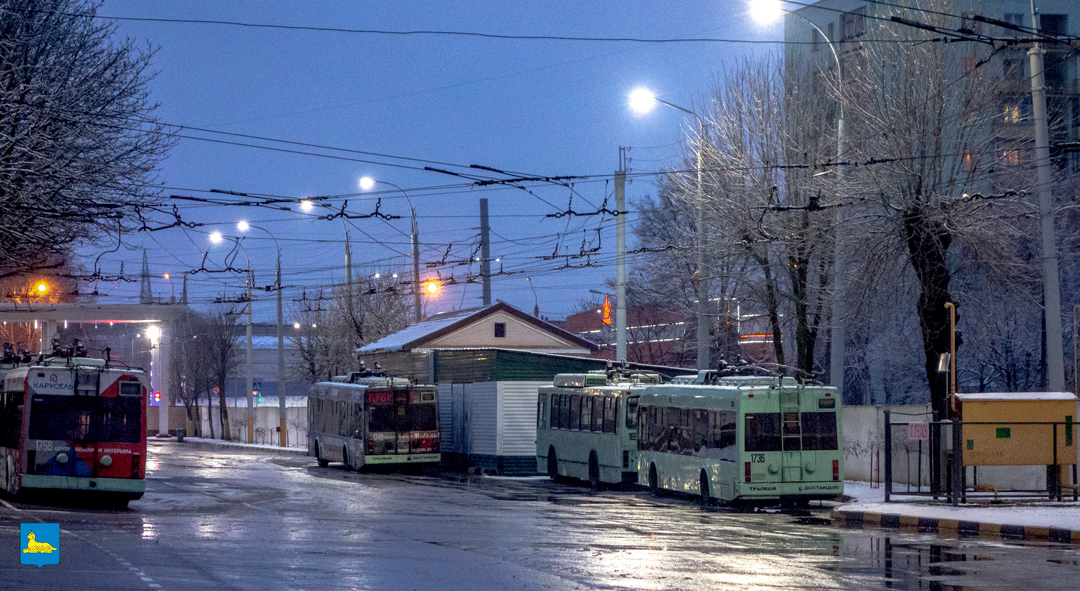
(302, 451)
(1056, 522)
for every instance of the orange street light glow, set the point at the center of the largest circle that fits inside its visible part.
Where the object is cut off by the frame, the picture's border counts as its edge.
(432, 288)
(42, 287)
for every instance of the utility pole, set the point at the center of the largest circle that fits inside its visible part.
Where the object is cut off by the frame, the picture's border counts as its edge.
(620, 258)
(417, 315)
(485, 251)
(703, 319)
(250, 365)
(283, 431)
(349, 291)
(1055, 355)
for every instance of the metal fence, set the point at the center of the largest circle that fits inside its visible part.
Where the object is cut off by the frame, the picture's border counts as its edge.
(965, 462)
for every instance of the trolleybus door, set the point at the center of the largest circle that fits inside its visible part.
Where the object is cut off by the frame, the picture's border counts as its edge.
(791, 429)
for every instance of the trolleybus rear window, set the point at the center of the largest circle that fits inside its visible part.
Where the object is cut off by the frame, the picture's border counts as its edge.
(763, 431)
(819, 431)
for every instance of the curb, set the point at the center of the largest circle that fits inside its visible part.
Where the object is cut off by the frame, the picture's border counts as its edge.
(232, 445)
(962, 529)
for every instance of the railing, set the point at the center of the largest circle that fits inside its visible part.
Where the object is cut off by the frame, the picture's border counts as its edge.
(1019, 459)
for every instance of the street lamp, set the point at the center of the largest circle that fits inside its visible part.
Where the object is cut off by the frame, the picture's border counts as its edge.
(536, 300)
(243, 226)
(366, 183)
(769, 11)
(250, 347)
(643, 101)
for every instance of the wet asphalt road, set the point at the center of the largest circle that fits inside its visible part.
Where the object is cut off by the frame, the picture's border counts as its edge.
(215, 519)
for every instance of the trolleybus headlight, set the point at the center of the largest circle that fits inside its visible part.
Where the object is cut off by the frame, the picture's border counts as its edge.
(810, 467)
(105, 461)
(61, 458)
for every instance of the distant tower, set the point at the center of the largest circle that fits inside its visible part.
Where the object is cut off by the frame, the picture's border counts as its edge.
(183, 293)
(146, 296)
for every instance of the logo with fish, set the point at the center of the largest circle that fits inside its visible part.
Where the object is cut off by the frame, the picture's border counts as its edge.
(40, 543)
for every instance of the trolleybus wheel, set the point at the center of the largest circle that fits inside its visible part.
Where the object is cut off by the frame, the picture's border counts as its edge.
(654, 484)
(706, 498)
(594, 471)
(553, 464)
(345, 458)
(318, 457)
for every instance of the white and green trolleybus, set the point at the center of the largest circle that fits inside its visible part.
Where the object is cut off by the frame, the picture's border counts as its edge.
(586, 426)
(746, 440)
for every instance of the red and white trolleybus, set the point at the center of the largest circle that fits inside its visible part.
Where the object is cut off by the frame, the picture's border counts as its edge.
(73, 426)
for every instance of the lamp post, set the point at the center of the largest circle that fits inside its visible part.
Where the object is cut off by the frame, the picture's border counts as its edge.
(643, 101)
(764, 12)
(283, 432)
(216, 237)
(367, 183)
(536, 300)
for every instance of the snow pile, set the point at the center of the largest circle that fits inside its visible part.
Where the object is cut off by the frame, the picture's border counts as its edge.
(1065, 515)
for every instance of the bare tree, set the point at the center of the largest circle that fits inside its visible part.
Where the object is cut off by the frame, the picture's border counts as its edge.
(221, 345)
(78, 139)
(926, 114)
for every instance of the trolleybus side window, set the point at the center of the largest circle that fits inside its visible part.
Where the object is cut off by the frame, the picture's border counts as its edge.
(541, 406)
(631, 412)
(701, 430)
(575, 412)
(819, 431)
(586, 413)
(10, 419)
(611, 406)
(564, 412)
(598, 413)
(556, 411)
(763, 431)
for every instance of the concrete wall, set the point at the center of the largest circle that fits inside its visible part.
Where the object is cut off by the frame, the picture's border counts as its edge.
(864, 436)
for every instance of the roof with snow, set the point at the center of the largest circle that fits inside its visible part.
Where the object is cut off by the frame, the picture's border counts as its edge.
(1017, 396)
(540, 335)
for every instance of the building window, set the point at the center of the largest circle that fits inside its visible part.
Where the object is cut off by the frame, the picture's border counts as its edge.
(500, 330)
(971, 160)
(830, 31)
(1013, 69)
(853, 24)
(1015, 19)
(815, 40)
(1010, 157)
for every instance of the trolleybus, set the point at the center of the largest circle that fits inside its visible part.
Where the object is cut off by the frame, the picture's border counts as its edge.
(586, 426)
(366, 419)
(75, 427)
(755, 440)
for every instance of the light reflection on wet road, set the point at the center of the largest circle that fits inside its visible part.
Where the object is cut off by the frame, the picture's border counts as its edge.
(234, 520)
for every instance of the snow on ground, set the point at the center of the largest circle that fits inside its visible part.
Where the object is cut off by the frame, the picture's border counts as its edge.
(1033, 512)
(231, 443)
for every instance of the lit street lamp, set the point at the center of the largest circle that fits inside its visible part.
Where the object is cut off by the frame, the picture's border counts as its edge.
(366, 183)
(217, 238)
(283, 432)
(643, 101)
(766, 12)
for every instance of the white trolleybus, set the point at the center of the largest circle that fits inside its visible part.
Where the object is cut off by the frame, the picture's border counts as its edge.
(586, 426)
(367, 420)
(745, 440)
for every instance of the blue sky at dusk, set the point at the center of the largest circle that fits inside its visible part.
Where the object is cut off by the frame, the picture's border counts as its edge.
(534, 107)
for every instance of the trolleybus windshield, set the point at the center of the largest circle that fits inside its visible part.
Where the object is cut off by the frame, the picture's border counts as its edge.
(86, 418)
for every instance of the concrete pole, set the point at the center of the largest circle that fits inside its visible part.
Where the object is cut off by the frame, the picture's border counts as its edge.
(417, 314)
(620, 259)
(250, 365)
(162, 367)
(485, 252)
(1055, 355)
(283, 431)
(48, 329)
(703, 318)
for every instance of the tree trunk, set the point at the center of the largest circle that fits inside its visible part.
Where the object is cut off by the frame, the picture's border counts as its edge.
(928, 245)
(226, 432)
(210, 411)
